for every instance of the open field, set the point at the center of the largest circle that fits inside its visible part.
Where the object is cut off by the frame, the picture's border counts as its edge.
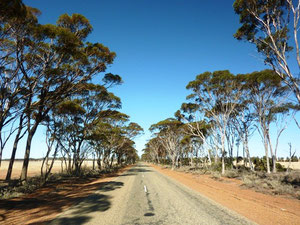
(34, 167)
(293, 166)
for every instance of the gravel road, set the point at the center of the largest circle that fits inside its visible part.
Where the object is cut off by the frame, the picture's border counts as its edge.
(144, 196)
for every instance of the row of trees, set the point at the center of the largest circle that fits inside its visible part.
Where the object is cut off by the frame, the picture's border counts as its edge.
(46, 79)
(226, 109)
(222, 113)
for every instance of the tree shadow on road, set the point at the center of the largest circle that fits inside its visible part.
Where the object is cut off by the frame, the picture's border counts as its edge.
(110, 186)
(78, 214)
(93, 203)
(138, 170)
(84, 199)
(70, 221)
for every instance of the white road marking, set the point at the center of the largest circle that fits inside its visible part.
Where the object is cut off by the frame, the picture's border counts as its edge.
(143, 175)
(145, 188)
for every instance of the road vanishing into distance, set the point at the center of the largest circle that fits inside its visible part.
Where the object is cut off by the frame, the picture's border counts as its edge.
(142, 195)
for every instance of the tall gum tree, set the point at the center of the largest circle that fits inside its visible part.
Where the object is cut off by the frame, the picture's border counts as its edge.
(16, 21)
(273, 26)
(196, 125)
(216, 96)
(170, 134)
(78, 115)
(267, 94)
(59, 62)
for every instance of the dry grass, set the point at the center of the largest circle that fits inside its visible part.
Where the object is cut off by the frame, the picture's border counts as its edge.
(13, 188)
(279, 183)
(34, 168)
(293, 166)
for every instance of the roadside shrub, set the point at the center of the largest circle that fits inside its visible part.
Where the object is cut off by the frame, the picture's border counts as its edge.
(261, 164)
(184, 161)
(232, 174)
(165, 162)
(216, 166)
(292, 178)
(279, 183)
(216, 175)
(280, 168)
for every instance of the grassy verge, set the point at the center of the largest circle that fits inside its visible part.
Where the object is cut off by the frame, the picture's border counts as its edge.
(280, 183)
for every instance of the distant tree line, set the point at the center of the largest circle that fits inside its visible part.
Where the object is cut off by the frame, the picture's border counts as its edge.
(46, 79)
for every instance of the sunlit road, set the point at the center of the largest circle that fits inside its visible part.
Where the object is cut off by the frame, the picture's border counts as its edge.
(142, 195)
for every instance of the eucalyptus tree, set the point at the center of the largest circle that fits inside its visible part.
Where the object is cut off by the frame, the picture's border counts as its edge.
(16, 22)
(216, 96)
(155, 149)
(196, 125)
(110, 128)
(60, 61)
(131, 155)
(273, 26)
(53, 147)
(243, 121)
(12, 9)
(146, 157)
(281, 117)
(128, 133)
(112, 136)
(267, 94)
(188, 148)
(77, 117)
(170, 133)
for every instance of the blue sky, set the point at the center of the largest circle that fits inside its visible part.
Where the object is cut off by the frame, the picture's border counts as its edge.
(161, 45)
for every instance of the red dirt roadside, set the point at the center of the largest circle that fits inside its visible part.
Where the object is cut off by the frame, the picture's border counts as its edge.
(258, 207)
(46, 203)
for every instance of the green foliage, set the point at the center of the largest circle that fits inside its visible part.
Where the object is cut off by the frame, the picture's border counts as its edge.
(251, 25)
(261, 164)
(166, 162)
(166, 124)
(267, 24)
(12, 9)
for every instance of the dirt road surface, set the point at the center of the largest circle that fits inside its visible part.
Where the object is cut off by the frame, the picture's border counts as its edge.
(142, 195)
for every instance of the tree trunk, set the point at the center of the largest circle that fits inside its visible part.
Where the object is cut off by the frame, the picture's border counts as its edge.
(209, 158)
(62, 165)
(31, 132)
(48, 170)
(192, 161)
(272, 154)
(223, 152)
(99, 163)
(173, 162)
(223, 163)
(112, 160)
(14, 150)
(266, 145)
(248, 152)
(94, 159)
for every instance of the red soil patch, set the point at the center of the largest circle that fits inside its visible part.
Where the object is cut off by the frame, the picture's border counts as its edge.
(46, 203)
(258, 207)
